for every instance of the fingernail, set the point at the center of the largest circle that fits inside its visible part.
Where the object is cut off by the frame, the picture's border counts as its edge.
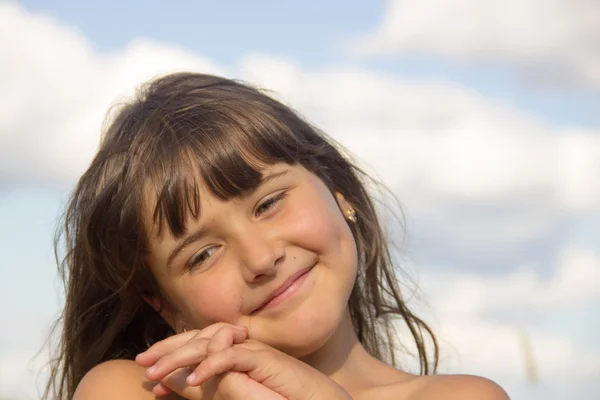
(151, 370)
(190, 379)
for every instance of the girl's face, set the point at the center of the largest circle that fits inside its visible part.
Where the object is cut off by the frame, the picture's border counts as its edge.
(240, 253)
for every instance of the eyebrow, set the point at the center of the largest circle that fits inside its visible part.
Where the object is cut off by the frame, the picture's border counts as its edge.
(192, 237)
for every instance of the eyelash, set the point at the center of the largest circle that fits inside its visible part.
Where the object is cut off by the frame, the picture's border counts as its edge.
(269, 203)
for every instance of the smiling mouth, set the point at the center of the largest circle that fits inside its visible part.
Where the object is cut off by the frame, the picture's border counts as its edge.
(286, 290)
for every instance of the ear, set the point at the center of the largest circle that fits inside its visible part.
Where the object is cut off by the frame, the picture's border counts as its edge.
(165, 312)
(342, 202)
(346, 208)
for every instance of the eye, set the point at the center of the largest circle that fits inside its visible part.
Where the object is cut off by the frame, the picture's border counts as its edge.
(269, 204)
(200, 258)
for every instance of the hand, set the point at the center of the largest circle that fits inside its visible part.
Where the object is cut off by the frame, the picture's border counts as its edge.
(283, 374)
(172, 359)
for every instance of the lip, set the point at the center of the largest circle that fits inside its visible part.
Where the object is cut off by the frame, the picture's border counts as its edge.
(282, 293)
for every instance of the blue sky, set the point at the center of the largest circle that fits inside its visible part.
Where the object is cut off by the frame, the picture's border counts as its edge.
(497, 167)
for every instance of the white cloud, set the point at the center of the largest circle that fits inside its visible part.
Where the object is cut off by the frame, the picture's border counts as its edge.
(575, 282)
(550, 40)
(56, 90)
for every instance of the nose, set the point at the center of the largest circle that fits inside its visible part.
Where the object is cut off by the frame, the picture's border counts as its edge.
(260, 252)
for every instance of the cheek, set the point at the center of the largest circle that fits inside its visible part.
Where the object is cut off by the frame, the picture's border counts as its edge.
(210, 299)
(321, 228)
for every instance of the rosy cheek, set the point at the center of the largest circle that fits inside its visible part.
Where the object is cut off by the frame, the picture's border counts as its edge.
(213, 301)
(315, 226)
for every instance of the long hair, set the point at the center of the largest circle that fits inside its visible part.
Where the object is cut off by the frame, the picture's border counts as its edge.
(221, 128)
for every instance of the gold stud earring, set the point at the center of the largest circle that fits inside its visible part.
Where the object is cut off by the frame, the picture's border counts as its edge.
(351, 214)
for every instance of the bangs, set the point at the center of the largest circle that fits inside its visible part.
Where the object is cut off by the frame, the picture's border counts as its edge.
(225, 157)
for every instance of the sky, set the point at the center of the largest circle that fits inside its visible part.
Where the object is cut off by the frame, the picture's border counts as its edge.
(481, 116)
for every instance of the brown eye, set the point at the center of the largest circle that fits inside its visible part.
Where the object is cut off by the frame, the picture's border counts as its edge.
(201, 257)
(269, 203)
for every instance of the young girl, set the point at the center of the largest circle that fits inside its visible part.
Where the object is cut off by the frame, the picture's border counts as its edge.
(220, 247)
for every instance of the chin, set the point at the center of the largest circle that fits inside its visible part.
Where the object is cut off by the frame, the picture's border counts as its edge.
(310, 340)
(306, 331)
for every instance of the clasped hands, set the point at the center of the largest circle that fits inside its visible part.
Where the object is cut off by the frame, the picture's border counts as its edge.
(220, 362)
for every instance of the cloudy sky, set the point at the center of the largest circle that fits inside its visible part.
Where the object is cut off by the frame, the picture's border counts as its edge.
(482, 116)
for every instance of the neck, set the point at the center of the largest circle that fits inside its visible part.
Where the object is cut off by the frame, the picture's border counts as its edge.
(344, 359)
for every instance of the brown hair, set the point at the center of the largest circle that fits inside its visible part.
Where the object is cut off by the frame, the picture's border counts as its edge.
(193, 122)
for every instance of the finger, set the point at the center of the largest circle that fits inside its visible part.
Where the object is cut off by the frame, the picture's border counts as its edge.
(194, 352)
(273, 370)
(225, 337)
(190, 354)
(255, 345)
(230, 359)
(174, 382)
(164, 346)
(161, 390)
(159, 349)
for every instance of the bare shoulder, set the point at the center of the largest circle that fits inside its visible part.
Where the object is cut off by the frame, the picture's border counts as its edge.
(115, 379)
(455, 387)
